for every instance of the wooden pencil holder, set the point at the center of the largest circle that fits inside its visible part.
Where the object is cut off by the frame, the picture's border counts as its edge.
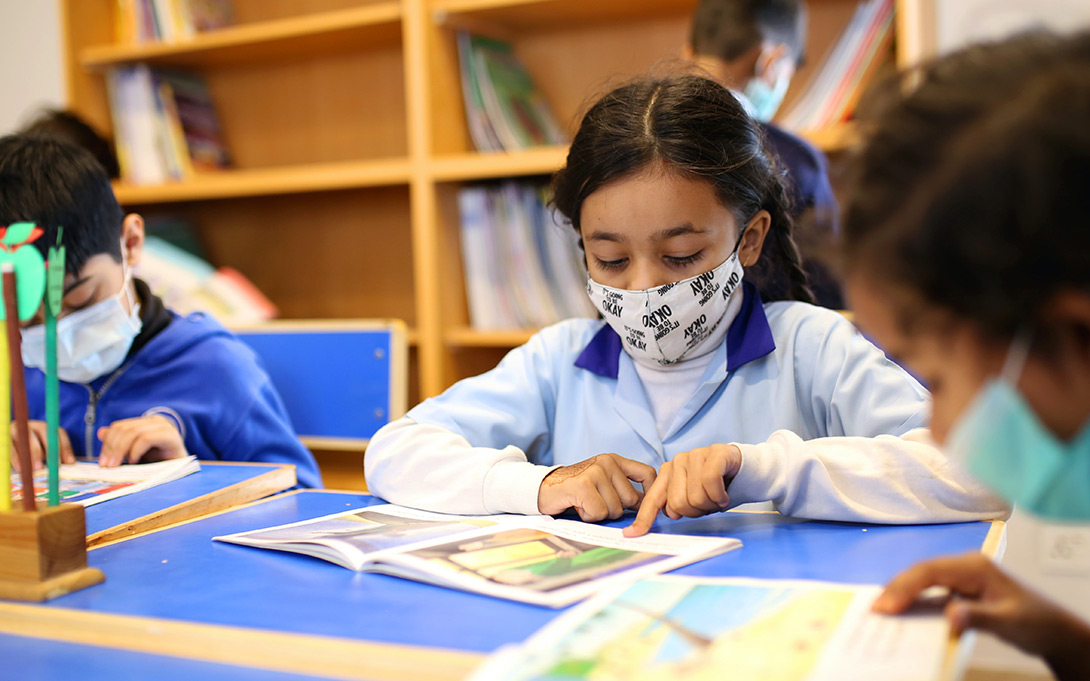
(43, 554)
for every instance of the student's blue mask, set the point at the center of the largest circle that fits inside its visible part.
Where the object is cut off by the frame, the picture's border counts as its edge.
(1004, 444)
(764, 100)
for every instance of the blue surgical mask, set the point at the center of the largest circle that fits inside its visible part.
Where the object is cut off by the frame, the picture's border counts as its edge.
(91, 342)
(764, 99)
(1004, 444)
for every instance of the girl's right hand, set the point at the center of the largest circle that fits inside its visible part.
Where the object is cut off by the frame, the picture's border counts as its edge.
(984, 597)
(597, 488)
(38, 445)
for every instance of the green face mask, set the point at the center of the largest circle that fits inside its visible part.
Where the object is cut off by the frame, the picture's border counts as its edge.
(1004, 444)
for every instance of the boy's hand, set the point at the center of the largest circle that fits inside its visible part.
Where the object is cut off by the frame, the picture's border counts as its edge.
(597, 488)
(146, 438)
(692, 484)
(984, 597)
(38, 444)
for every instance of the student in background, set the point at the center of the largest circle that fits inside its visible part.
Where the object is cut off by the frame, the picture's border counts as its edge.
(138, 382)
(707, 340)
(968, 240)
(68, 125)
(754, 47)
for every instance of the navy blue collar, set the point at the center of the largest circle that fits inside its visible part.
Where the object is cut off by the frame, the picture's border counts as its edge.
(748, 338)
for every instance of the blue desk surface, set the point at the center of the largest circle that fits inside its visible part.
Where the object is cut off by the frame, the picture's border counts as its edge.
(48, 660)
(180, 574)
(212, 476)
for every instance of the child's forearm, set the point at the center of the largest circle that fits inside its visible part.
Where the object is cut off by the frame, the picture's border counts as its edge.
(1069, 659)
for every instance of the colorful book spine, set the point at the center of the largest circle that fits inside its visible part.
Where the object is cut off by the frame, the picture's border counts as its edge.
(522, 269)
(832, 93)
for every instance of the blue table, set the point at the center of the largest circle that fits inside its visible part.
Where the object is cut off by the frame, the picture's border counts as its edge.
(178, 575)
(215, 487)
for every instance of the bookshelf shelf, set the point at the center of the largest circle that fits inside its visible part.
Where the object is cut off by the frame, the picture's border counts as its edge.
(466, 337)
(269, 181)
(544, 15)
(375, 26)
(834, 138)
(474, 166)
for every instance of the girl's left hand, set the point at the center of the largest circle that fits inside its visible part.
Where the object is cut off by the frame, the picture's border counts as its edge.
(692, 484)
(147, 438)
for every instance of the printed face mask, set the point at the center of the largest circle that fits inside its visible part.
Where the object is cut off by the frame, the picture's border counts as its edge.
(91, 342)
(666, 324)
(1003, 443)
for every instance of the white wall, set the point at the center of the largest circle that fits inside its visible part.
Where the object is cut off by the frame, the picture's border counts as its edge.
(964, 21)
(30, 60)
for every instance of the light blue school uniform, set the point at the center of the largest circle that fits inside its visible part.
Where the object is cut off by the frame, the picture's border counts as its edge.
(571, 392)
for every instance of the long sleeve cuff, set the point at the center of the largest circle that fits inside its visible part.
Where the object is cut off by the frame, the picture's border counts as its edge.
(756, 479)
(511, 486)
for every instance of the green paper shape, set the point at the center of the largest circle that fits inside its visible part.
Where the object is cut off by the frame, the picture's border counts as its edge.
(29, 268)
(19, 232)
(54, 280)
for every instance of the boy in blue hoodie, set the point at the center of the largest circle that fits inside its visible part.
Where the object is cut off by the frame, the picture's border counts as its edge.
(139, 383)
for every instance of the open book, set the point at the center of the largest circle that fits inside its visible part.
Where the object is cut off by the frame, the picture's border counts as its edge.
(537, 560)
(690, 628)
(87, 483)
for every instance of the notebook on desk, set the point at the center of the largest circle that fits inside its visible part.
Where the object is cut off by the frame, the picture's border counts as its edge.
(86, 483)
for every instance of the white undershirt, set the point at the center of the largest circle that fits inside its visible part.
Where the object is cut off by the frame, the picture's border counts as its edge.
(668, 388)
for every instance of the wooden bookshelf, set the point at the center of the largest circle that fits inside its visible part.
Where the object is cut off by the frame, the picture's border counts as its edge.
(268, 181)
(377, 25)
(346, 127)
(467, 337)
(474, 166)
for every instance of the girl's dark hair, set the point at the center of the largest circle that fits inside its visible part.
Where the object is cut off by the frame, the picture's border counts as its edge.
(973, 191)
(698, 129)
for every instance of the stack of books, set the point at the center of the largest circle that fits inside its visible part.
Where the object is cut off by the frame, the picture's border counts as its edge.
(833, 92)
(187, 283)
(504, 109)
(142, 21)
(522, 268)
(165, 126)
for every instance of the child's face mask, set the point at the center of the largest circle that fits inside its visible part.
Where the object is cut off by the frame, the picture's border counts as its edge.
(1003, 443)
(764, 99)
(664, 325)
(91, 342)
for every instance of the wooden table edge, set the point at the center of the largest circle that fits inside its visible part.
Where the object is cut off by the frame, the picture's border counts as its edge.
(280, 478)
(306, 654)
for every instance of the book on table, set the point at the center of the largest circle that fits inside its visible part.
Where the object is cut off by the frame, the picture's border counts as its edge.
(532, 559)
(693, 628)
(87, 483)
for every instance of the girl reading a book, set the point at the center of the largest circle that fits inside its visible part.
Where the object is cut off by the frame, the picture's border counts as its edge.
(969, 257)
(710, 379)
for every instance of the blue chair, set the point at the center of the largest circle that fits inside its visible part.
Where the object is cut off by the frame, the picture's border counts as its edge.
(341, 380)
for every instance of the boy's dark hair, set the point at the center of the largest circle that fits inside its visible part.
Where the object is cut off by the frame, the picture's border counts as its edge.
(727, 29)
(54, 183)
(696, 127)
(973, 191)
(69, 126)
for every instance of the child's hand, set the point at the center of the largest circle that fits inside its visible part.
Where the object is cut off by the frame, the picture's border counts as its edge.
(597, 488)
(147, 438)
(38, 444)
(692, 484)
(984, 597)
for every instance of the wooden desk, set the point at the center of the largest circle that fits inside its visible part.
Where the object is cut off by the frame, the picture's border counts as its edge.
(218, 486)
(50, 660)
(176, 593)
